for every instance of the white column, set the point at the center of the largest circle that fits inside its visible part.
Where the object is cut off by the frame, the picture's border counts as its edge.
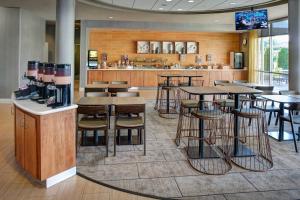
(294, 45)
(64, 35)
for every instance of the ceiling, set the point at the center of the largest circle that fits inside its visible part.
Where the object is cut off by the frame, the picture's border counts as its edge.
(89, 11)
(184, 6)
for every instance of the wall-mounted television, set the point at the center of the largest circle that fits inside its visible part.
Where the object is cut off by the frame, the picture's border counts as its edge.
(248, 20)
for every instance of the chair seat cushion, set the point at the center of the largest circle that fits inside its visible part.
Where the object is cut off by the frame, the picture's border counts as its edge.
(208, 114)
(92, 123)
(190, 103)
(130, 122)
(225, 102)
(252, 112)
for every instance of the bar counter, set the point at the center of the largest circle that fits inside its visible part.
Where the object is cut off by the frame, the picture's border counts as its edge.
(149, 77)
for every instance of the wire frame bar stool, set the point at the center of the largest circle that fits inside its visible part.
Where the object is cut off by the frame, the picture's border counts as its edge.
(207, 149)
(253, 151)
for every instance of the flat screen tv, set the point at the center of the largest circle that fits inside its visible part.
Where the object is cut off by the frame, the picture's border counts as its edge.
(248, 20)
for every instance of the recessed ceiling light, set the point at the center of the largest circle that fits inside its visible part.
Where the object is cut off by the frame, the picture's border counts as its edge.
(179, 9)
(110, 17)
(160, 8)
(216, 20)
(191, 1)
(233, 3)
(169, 0)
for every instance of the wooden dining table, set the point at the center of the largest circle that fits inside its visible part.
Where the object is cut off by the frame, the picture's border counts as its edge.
(282, 135)
(236, 91)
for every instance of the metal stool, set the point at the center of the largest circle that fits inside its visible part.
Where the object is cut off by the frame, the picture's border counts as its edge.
(208, 147)
(188, 104)
(252, 149)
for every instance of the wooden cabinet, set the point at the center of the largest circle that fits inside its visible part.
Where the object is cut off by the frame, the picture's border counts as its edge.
(94, 75)
(150, 78)
(240, 75)
(30, 146)
(123, 76)
(45, 144)
(137, 79)
(109, 75)
(19, 136)
(25, 142)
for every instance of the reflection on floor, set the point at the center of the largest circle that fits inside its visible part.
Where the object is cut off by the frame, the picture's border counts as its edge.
(14, 185)
(165, 172)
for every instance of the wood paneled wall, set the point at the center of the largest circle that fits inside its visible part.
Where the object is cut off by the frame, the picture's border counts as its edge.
(117, 42)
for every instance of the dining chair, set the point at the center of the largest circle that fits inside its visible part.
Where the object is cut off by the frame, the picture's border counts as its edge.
(271, 107)
(251, 148)
(220, 82)
(93, 90)
(100, 82)
(207, 147)
(88, 122)
(129, 117)
(293, 118)
(239, 81)
(119, 82)
(97, 94)
(128, 94)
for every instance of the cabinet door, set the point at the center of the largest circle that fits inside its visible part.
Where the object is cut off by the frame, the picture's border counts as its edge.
(214, 75)
(109, 75)
(94, 75)
(227, 75)
(137, 79)
(241, 75)
(30, 145)
(150, 79)
(123, 76)
(19, 136)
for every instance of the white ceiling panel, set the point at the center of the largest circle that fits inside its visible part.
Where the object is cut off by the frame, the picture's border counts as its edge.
(144, 5)
(184, 5)
(123, 3)
(166, 5)
(207, 5)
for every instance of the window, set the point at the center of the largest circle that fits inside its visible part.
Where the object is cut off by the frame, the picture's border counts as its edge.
(273, 56)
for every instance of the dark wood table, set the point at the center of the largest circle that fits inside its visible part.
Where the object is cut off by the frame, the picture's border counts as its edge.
(281, 135)
(190, 78)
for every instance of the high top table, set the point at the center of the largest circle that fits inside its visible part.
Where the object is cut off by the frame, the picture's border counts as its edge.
(281, 135)
(190, 78)
(213, 90)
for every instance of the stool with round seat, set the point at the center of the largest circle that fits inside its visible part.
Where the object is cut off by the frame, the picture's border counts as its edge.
(207, 149)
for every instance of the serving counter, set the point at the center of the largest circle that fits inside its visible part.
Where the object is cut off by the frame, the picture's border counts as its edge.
(45, 141)
(149, 77)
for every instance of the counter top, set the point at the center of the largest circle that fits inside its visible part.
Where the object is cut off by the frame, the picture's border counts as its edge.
(39, 109)
(112, 69)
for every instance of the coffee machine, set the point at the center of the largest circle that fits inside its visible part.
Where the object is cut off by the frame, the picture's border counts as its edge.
(62, 90)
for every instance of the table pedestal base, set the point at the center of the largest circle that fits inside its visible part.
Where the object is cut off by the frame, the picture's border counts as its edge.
(208, 152)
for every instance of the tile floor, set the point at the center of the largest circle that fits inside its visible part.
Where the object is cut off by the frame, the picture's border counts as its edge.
(164, 172)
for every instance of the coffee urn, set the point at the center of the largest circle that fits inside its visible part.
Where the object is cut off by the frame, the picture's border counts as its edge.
(40, 84)
(48, 79)
(62, 81)
(31, 74)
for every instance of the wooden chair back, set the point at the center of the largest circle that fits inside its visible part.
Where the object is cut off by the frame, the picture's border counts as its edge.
(100, 82)
(267, 90)
(88, 90)
(92, 110)
(129, 109)
(128, 94)
(116, 90)
(219, 82)
(119, 82)
(97, 94)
